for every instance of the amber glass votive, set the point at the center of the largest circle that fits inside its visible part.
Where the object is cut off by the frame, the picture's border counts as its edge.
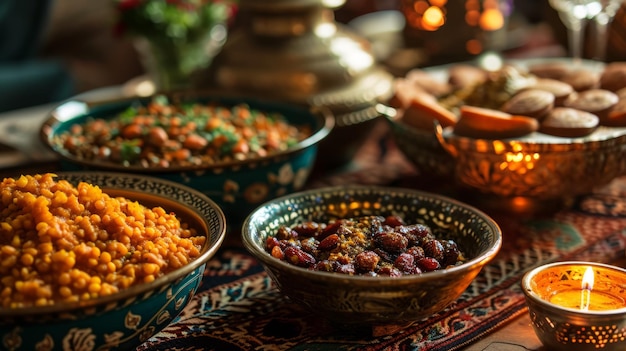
(577, 306)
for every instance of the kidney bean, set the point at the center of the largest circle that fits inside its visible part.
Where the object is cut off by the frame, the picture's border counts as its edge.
(330, 228)
(416, 251)
(393, 221)
(389, 271)
(277, 253)
(391, 241)
(271, 242)
(132, 131)
(195, 142)
(298, 257)
(330, 242)
(306, 229)
(428, 264)
(366, 261)
(405, 262)
(434, 249)
(310, 245)
(157, 136)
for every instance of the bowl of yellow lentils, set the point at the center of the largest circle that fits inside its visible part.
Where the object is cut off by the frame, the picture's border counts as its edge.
(99, 260)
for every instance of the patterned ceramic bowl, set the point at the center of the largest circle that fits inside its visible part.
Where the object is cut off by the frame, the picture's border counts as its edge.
(237, 186)
(374, 300)
(123, 320)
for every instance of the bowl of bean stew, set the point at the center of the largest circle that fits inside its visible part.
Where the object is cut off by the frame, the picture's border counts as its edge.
(371, 255)
(99, 260)
(239, 151)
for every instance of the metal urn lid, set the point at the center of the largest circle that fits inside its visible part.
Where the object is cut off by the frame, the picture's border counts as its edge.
(295, 51)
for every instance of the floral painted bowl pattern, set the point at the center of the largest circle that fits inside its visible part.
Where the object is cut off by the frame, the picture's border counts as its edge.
(351, 299)
(237, 186)
(124, 320)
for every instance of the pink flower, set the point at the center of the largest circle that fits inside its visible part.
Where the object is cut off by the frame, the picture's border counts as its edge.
(124, 5)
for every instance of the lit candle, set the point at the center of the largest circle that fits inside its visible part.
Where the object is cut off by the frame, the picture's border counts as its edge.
(579, 287)
(586, 298)
(577, 305)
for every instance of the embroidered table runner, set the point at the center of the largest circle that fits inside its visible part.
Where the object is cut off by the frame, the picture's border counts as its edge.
(239, 308)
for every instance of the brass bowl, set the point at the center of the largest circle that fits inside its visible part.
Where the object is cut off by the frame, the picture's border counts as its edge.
(536, 169)
(569, 329)
(379, 300)
(531, 174)
(421, 147)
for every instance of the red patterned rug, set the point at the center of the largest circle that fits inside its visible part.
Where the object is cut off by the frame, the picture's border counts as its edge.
(239, 308)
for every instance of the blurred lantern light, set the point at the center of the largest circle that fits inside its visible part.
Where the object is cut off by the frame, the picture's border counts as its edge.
(433, 18)
(438, 3)
(491, 19)
(474, 46)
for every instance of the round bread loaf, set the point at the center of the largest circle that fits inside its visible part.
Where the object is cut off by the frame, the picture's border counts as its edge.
(596, 101)
(552, 70)
(569, 123)
(463, 76)
(404, 92)
(613, 77)
(559, 89)
(617, 116)
(428, 82)
(534, 103)
(582, 79)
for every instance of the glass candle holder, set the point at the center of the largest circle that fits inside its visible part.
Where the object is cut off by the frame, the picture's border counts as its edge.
(577, 306)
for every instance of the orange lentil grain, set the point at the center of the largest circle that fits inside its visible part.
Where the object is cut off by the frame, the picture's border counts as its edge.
(65, 243)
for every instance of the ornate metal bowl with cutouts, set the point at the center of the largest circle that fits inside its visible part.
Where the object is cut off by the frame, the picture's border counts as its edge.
(537, 169)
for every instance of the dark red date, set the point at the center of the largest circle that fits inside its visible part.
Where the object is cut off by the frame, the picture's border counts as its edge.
(369, 245)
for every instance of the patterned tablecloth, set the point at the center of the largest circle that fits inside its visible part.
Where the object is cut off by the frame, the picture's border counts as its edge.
(239, 308)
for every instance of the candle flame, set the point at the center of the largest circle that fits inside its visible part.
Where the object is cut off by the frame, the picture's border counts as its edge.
(587, 286)
(588, 279)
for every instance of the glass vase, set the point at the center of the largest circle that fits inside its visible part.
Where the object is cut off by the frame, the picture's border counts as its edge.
(172, 64)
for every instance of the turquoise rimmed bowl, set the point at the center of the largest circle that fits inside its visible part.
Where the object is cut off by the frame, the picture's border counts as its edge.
(237, 186)
(124, 320)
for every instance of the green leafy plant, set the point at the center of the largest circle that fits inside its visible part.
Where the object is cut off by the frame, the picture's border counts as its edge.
(172, 20)
(177, 37)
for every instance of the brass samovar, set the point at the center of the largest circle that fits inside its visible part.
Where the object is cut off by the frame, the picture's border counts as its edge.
(295, 51)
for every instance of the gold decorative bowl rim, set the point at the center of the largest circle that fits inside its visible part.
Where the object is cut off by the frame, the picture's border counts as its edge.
(603, 137)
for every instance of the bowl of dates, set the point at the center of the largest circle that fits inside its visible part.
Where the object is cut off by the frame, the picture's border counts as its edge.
(371, 255)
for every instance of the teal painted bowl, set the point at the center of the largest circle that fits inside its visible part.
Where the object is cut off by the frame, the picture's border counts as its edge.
(237, 186)
(124, 320)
